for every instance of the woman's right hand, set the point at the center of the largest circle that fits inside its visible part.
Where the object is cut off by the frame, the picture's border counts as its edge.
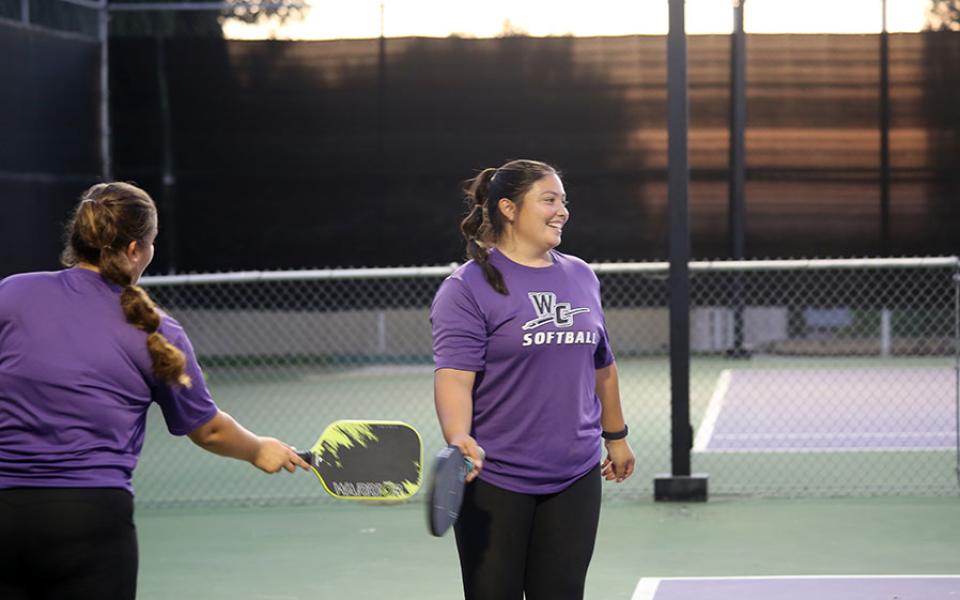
(470, 449)
(273, 455)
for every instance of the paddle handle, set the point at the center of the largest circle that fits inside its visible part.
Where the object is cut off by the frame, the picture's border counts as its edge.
(310, 457)
(469, 463)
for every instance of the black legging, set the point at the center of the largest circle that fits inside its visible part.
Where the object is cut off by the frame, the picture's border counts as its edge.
(512, 543)
(67, 544)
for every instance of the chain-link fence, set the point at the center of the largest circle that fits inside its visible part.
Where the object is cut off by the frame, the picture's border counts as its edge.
(79, 17)
(807, 377)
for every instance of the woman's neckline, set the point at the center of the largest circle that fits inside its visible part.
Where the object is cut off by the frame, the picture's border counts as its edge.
(551, 254)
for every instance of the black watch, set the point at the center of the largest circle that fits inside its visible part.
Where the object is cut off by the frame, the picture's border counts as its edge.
(615, 435)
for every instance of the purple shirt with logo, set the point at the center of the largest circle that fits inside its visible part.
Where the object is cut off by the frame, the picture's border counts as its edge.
(76, 382)
(535, 352)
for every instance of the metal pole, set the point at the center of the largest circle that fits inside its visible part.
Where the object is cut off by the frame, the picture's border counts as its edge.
(737, 212)
(738, 119)
(884, 136)
(25, 11)
(678, 180)
(680, 484)
(106, 164)
(381, 93)
(169, 181)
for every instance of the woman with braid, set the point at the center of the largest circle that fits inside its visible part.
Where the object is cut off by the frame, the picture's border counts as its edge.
(83, 354)
(524, 370)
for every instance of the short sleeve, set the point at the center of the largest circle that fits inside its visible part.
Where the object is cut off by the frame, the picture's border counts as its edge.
(459, 328)
(603, 355)
(184, 408)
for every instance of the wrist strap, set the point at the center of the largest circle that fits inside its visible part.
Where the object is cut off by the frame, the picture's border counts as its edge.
(615, 435)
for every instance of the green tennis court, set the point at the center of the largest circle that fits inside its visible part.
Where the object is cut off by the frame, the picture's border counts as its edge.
(328, 551)
(281, 537)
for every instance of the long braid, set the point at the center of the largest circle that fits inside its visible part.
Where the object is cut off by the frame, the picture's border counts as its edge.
(108, 218)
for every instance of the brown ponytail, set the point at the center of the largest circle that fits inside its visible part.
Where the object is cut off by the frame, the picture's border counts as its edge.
(109, 217)
(483, 225)
(477, 231)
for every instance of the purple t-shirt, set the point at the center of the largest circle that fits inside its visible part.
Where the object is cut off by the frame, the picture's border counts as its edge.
(535, 352)
(76, 382)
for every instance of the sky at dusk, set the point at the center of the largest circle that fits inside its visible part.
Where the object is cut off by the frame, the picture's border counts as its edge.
(327, 19)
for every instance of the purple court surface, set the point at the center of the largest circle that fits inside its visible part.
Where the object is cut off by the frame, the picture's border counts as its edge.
(831, 410)
(866, 587)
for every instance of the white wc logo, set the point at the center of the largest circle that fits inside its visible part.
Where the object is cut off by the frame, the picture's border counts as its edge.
(551, 311)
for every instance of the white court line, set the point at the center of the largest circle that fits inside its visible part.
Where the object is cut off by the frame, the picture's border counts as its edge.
(774, 577)
(705, 431)
(837, 435)
(947, 444)
(831, 450)
(646, 588)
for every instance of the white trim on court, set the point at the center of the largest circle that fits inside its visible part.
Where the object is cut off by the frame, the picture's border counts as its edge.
(947, 436)
(709, 421)
(647, 586)
(767, 577)
(837, 435)
(825, 450)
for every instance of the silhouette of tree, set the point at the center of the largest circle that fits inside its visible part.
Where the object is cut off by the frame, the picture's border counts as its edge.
(943, 15)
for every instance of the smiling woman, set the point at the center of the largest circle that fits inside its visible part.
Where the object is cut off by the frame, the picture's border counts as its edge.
(524, 370)
(336, 19)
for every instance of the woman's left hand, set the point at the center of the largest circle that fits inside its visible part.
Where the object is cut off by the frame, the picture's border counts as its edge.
(619, 462)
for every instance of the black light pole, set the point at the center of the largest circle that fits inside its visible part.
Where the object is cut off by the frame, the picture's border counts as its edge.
(738, 118)
(680, 484)
(884, 136)
(381, 93)
(103, 34)
(169, 180)
(737, 211)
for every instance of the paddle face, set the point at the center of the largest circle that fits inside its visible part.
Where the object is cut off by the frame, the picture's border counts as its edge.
(446, 490)
(368, 460)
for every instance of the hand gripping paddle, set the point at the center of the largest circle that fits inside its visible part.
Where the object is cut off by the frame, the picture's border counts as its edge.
(447, 483)
(367, 460)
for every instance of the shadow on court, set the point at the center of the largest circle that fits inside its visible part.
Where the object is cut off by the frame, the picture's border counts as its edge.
(325, 551)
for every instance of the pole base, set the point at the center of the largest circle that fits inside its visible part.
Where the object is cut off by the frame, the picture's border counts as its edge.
(680, 488)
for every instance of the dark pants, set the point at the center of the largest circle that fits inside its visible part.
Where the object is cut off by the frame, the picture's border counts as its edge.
(512, 543)
(67, 544)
